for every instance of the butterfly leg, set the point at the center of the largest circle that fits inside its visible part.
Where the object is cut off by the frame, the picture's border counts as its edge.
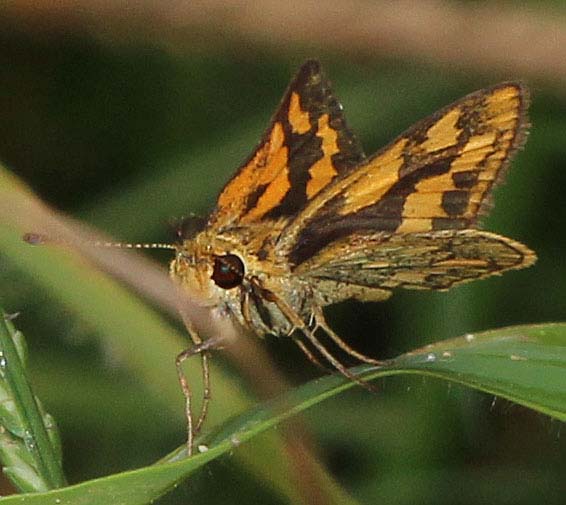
(206, 395)
(311, 357)
(201, 347)
(299, 324)
(255, 324)
(321, 323)
(334, 362)
(246, 313)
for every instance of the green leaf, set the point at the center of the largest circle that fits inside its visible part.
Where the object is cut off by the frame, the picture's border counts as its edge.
(526, 364)
(30, 449)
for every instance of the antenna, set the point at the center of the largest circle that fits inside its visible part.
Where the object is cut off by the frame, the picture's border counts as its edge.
(41, 239)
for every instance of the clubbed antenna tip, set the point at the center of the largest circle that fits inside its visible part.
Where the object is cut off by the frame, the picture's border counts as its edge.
(34, 238)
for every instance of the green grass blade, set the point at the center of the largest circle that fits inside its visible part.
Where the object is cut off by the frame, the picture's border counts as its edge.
(526, 364)
(30, 449)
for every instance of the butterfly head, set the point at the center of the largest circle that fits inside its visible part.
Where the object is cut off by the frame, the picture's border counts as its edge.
(212, 269)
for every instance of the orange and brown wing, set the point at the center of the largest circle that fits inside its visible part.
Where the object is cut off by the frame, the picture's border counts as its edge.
(428, 260)
(306, 146)
(435, 176)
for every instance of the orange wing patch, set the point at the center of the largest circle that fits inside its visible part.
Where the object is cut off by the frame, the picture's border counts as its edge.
(298, 118)
(444, 133)
(369, 186)
(266, 172)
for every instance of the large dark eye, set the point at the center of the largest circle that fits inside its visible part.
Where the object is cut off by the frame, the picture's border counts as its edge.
(228, 271)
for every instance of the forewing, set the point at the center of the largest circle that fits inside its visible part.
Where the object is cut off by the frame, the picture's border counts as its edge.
(306, 146)
(435, 176)
(430, 260)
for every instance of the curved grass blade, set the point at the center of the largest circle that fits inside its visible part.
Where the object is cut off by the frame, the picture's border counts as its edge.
(30, 449)
(526, 364)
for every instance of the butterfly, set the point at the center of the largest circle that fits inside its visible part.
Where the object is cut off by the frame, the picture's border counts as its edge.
(308, 220)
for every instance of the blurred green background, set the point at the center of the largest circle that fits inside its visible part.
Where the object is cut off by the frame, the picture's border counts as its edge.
(129, 117)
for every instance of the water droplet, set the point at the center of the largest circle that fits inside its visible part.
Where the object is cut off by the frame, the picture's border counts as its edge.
(3, 366)
(57, 500)
(430, 357)
(469, 337)
(202, 448)
(515, 357)
(29, 440)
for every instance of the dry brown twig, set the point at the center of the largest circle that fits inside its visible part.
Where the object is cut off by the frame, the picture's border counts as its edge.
(501, 38)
